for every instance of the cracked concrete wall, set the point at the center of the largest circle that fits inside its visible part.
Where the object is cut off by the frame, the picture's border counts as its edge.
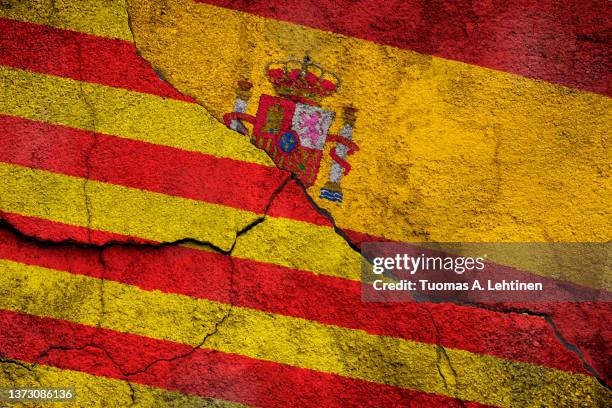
(153, 257)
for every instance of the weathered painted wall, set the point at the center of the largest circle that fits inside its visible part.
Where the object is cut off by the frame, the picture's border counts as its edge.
(152, 257)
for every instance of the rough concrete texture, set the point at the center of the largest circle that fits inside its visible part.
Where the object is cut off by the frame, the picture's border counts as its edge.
(152, 257)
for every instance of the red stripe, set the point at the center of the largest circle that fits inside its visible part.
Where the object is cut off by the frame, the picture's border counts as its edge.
(293, 203)
(562, 42)
(137, 164)
(329, 300)
(47, 230)
(359, 238)
(201, 372)
(80, 56)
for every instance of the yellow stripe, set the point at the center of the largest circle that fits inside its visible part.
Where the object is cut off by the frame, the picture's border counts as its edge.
(114, 208)
(299, 245)
(93, 391)
(106, 18)
(297, 342)
(123, 113)
(449, 151)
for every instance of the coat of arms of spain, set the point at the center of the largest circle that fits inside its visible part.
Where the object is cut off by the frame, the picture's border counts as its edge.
(292, 127)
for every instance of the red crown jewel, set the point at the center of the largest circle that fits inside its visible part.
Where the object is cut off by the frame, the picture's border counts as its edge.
(301, 80)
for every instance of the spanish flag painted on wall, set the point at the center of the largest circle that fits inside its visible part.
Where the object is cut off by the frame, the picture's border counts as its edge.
(185, 186)
(474, 122)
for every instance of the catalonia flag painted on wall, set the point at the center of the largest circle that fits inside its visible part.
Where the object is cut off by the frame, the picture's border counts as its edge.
(185, 186)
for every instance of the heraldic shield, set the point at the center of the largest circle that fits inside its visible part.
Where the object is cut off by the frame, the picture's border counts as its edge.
(293, 134)
(293, 128)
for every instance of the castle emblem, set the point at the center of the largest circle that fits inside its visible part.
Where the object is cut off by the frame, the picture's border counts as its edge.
(293, 128)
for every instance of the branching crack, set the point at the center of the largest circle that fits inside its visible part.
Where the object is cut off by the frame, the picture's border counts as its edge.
(201, 344)
(327, 215)
(7, 225)
(128, 375)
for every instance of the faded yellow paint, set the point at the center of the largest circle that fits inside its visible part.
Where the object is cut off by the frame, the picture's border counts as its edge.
(92, 391)
(106, 18)
(287, 340)
(449, 151)
(118, 112)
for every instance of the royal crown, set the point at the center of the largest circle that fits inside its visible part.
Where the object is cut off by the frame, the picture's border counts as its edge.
(302, 80)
